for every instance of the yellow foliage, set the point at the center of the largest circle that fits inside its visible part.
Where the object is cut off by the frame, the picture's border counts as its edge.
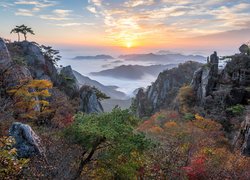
(29, 96)
(10, 165)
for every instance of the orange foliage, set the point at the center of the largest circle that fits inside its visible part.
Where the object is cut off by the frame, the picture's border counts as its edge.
(170, 124)
(30, 98)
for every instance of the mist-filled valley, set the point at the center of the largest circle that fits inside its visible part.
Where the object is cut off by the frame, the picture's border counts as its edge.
(124, 90)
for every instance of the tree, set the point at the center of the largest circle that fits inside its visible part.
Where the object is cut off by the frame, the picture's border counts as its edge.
(23, 30)
(51, 54)
(16, 30)
(113, 137)
(30, 98)
(186, 98)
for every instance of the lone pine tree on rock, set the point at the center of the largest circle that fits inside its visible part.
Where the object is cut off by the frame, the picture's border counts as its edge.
(23, 30)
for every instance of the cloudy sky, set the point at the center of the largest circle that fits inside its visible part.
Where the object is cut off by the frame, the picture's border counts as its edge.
(132, 24)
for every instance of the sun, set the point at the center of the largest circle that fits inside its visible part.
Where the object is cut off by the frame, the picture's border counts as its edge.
(129, 44)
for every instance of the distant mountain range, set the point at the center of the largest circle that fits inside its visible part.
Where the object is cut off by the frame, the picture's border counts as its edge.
(163, 58)
(108, 90)
(93, 57)
(133, 71)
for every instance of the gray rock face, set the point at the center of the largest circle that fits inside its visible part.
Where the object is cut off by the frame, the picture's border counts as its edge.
(242, 139)
(27, 142)
(68, 82)
(227, 88)
(5, 60)
(205, 78)
(89, 102)
(38, 65)
(12, 74)
(162, 92)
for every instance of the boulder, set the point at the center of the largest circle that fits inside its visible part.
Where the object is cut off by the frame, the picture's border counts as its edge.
(27, 142)
(244, 49)
(89, 102)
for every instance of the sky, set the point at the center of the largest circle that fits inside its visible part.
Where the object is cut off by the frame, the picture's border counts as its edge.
(131, 25)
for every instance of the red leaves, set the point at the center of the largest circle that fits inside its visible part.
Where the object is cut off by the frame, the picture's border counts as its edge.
(196, 169)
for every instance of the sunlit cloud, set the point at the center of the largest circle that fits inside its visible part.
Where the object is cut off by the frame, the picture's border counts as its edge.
(24, 12)
(134, 3)
(139, 20)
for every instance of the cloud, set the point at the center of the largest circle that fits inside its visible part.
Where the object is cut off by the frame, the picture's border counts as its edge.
(24, 12)
(62, 12)
(38, 4)
(32, 7)
(91, 9)
(58, 15)
(134, 3)
(135, 20)
(69, 24)
(95, 2)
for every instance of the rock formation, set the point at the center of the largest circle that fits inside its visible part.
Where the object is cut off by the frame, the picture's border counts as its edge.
(162, 92)
(89, 102)
(68, 82)
(11, 73)
(242, 139)
(39, 66)
(215, 91)
(27, 142)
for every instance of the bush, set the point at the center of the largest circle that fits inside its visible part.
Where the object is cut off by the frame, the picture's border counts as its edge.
(186, 98)
(236, 110)
(10, 166)
(189, 116)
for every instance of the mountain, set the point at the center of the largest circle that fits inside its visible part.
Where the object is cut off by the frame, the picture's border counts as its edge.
(163, 58)
(93, 57)
(108, 90)
(133, 71)
(163, 91)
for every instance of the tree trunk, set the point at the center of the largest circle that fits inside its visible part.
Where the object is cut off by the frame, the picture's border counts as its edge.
(18, 37)
(88, 158)
(25, 37)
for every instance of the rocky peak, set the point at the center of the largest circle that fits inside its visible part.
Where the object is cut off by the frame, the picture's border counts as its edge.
(162, 92)
(205, 78)
(89, 102)
(68, 82)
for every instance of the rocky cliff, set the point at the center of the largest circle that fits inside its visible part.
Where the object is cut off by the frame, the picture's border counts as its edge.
(162, 92)
(25, 60)
(216, 91)
(89, 101)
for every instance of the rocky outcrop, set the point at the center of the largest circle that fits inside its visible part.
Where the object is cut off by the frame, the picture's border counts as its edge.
(242, 139)
(68, 82)
(11, 73)
(39, 66)
(162, 92)
(205, 78)
(27, 142)
(216, 91)
(89, 102)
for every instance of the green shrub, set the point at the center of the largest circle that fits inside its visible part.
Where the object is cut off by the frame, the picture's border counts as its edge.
(236, 110)
(189, 116)
(114, 138)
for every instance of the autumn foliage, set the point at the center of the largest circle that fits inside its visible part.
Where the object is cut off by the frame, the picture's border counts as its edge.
(195, 149)
(30, 98)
